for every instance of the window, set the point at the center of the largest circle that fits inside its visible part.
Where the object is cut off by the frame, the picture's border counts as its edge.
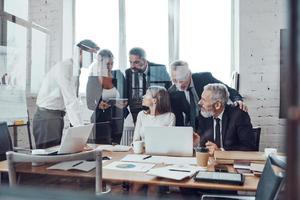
(205, 36)
(147, 27)
(38, 59)
(97, 20)
(16, 57)
(18, 8)
(20, 40)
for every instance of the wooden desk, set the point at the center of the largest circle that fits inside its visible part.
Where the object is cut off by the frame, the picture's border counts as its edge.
(134, 177)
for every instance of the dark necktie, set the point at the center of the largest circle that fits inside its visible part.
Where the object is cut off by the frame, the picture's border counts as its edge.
(192, 108)
(218, 133)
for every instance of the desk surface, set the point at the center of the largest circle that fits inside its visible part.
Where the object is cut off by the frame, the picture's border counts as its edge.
(136, 177)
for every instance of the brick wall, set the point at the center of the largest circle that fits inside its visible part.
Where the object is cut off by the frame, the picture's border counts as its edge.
(259, 65)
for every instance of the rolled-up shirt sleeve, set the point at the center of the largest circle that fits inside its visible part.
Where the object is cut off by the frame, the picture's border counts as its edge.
(66, 82)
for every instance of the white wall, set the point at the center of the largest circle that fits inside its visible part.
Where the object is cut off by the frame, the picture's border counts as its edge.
(259, 26)
(259, 41)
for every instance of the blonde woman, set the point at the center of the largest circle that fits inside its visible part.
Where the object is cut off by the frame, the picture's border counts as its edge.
(158, 114)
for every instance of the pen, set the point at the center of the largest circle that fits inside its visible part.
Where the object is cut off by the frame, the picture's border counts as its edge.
(147, 157)
(179, 170)
(77, 164)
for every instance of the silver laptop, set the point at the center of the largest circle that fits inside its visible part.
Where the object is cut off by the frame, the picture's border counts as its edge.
(73, 140)
(171, 141)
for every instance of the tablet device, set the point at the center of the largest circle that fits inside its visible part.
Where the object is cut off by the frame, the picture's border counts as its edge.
(120, 101)
(220, 177)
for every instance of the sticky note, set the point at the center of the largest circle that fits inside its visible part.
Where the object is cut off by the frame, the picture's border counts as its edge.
(19, 122)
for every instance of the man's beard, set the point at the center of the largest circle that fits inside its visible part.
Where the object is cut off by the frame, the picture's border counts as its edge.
(138, 70)
(207, 114)
(178, 86)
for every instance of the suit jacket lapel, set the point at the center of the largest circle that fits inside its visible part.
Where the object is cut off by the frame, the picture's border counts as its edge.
(225, 120)
(210, 123)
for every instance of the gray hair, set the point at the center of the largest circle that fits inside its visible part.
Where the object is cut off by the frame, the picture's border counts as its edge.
(182, 69)
(105, 53)
(219, 92)
(179, 64)
(138, 51)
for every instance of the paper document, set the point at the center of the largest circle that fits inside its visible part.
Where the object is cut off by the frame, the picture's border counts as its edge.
(257, 167)
(81, 165)
(129, 166)
(240, 164)
(115, 148)
(175, 172)
(169, 160)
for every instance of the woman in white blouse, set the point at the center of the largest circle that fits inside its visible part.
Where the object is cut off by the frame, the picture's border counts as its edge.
(159, 113)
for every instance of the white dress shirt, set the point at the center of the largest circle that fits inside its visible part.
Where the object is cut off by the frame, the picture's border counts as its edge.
(147, 120)
(58, 91)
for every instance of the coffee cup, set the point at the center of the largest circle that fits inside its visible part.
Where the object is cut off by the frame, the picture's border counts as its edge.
(138, 147)
(269, 151)
(202, 156)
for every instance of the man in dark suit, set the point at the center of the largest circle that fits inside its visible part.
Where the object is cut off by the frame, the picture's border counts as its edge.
(140, 76)
(184, 93)
(223, 126)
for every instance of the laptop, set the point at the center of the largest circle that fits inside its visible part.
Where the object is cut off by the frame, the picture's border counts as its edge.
(171, 141)
(73, 140)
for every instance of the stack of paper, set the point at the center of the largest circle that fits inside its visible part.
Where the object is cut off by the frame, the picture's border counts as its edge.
(241, 164)
(257, 167)
(175, 172)
(228, 157)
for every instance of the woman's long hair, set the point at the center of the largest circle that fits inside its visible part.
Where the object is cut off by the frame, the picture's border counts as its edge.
(163, 99)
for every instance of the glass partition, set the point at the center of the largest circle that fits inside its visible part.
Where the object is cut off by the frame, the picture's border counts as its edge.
(38, 59)
(17, 8)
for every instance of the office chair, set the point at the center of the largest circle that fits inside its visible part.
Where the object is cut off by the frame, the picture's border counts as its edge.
(13, 157)
(5, 141)
(256, 131)
(268, 186)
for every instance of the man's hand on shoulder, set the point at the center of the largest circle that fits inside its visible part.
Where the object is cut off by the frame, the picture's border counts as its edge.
(241, 105)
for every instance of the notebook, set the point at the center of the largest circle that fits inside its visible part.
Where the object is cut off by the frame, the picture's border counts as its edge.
(174, 172)
(81, 165)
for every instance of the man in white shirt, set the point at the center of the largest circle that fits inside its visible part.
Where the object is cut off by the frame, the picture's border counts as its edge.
(57, 95)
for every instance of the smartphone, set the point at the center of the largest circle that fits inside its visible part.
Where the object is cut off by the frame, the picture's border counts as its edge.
(221, 168)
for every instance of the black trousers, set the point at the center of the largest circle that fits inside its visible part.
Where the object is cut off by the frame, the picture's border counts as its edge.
(108, 127)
